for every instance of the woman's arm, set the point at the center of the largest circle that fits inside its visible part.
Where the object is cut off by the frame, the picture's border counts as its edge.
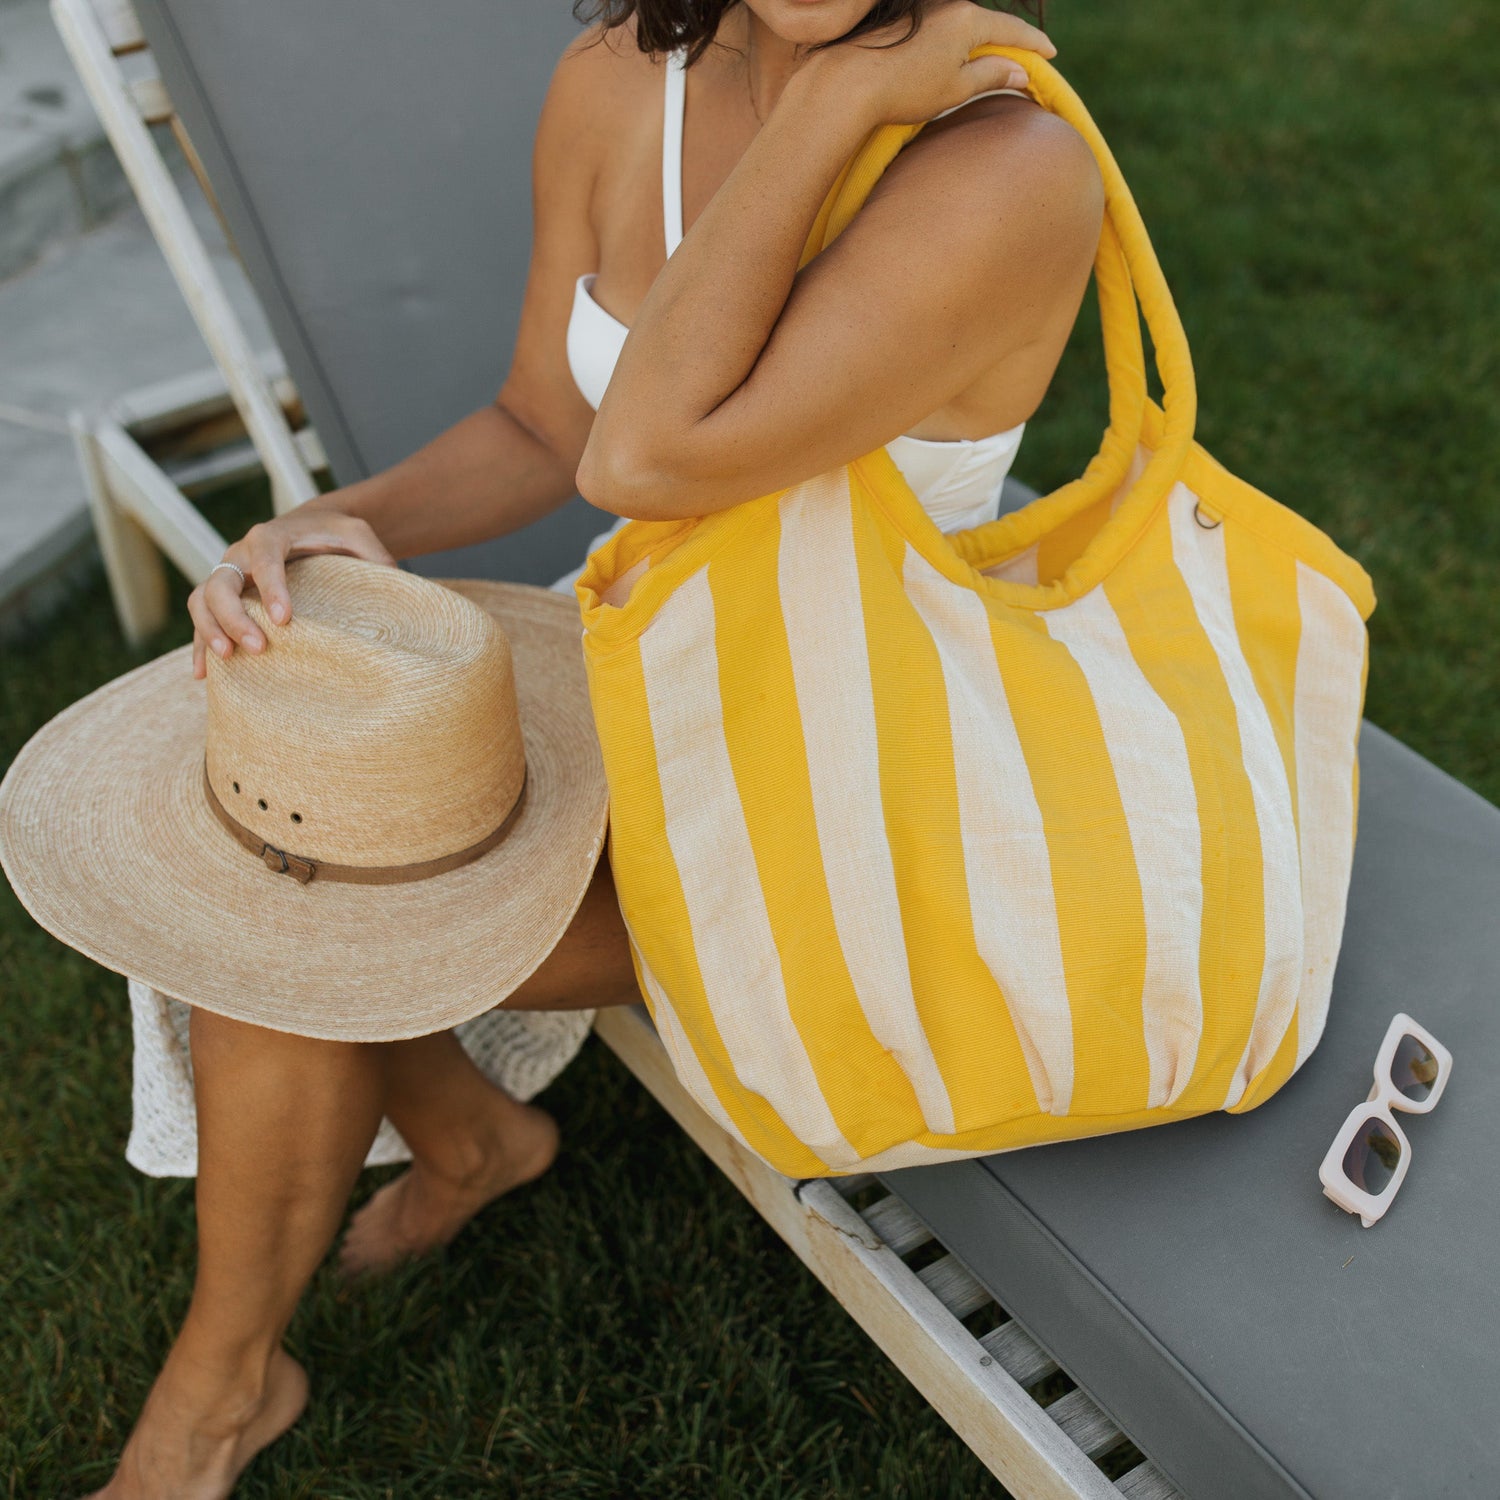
(486, 476)
(498, 468)
(742, 375)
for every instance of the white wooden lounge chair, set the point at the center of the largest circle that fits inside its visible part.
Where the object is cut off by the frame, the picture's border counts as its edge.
(1187, 1288)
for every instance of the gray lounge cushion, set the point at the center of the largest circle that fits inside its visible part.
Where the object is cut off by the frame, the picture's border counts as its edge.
(1248, 1334)
(373, 161)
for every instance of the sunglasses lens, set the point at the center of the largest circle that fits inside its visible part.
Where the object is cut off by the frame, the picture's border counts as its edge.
(1414, 1070)
(1372, 1157)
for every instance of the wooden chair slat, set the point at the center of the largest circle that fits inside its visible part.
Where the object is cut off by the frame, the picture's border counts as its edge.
(847, 1187)
(1018, 1354)
(310, 446)
(952, 1283)
(117, 20)
(1080, 1416)
(151, 100)
(1147, 1482)
(897, 1225)
(154, 411)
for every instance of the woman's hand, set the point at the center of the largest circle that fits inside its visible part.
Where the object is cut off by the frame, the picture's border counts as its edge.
(918, 78)
(219, 619)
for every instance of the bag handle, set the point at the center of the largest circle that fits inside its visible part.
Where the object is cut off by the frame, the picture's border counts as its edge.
(1130, 286)
(1125, 364)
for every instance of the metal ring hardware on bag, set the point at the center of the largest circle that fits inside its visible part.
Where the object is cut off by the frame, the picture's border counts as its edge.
(302, 870)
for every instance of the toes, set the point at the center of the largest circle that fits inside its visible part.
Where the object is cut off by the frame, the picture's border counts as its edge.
(372, 1243)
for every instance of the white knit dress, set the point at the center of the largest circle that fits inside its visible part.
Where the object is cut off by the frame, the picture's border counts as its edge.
(520, 1051)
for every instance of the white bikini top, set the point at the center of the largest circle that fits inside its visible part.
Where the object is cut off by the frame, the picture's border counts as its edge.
(958, 481)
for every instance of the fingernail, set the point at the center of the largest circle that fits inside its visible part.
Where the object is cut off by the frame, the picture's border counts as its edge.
(221, 645)
(252, 642)
(278, 611)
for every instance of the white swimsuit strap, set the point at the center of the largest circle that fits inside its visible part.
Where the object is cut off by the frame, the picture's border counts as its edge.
(671, 148)
(1019, 93)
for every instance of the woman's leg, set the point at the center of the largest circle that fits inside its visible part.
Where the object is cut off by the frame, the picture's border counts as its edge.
(470, 1141)
(284, 1124)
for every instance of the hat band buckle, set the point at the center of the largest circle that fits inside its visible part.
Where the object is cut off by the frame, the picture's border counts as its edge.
(282, 863)
(303, 870)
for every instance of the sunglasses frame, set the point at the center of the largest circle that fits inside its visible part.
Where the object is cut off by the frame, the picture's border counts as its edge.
(1381, 1102)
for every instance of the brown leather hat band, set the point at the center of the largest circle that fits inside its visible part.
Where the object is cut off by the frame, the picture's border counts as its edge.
(283, 862)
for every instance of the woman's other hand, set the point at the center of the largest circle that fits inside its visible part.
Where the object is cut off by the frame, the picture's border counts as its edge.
(902, 82)
(220, 622)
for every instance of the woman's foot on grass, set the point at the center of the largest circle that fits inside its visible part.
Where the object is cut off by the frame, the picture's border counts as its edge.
(193, 1445)
(425, 1208)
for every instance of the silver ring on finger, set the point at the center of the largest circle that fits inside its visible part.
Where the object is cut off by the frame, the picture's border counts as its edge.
(237, 568)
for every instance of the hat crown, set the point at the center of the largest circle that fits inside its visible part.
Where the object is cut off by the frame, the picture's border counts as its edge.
(378, 727)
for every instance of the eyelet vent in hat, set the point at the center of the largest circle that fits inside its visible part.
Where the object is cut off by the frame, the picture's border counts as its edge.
(384, 711)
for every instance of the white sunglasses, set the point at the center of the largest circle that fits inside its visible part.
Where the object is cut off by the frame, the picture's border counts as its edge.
(1368, 1159)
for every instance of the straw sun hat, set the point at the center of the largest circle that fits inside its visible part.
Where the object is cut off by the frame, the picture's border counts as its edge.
(376, 828)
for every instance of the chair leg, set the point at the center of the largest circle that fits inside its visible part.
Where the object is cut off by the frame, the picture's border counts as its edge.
(132, 562)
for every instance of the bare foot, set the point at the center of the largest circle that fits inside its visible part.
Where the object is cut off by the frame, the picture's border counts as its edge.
(184, 1448)
(424, 1209)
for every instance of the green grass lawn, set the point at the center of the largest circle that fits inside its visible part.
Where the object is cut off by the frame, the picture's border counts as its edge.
(1320, 184)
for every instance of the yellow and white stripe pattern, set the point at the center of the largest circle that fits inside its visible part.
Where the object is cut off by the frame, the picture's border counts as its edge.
(925, 855)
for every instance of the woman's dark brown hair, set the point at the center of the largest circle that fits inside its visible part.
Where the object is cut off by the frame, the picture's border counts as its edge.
(664, 25)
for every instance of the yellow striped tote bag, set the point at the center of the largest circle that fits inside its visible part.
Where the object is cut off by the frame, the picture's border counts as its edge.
(934, 846)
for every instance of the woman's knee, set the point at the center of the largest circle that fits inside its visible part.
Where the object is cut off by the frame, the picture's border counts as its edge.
(590, 966)
(218, 1041)
(215, 1038)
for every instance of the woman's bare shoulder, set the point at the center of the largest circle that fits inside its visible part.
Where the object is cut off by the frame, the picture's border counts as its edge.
(599, 87)
(1004, 153)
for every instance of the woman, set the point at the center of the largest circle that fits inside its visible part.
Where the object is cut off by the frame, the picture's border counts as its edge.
(932, 325)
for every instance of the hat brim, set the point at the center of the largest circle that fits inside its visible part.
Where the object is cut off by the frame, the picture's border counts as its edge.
(111, 846)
